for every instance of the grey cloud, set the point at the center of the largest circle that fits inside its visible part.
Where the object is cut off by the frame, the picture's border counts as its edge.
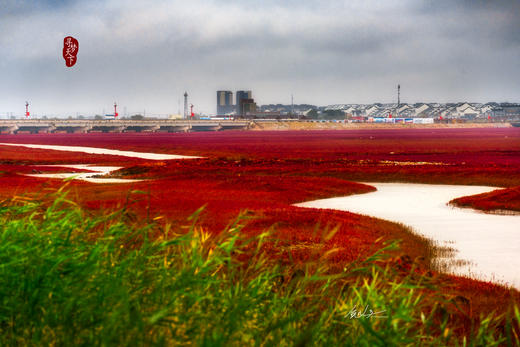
(146, 55)
(492, 24)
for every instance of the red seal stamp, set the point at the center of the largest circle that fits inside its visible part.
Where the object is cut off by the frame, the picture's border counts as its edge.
(70, 50)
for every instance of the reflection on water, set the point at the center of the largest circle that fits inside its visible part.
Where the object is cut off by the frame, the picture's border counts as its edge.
(491, 243)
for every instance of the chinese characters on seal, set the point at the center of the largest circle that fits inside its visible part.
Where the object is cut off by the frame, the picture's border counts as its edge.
(70, 50)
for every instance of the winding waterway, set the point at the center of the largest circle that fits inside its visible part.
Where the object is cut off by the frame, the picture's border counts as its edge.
(96, 170)
(490, 243)
(92, 177)
(96, 150)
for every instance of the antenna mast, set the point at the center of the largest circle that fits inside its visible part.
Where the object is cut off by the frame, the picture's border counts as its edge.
(398, 99)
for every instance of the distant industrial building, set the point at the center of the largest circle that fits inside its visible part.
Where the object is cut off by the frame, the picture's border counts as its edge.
(247, 107)
(225, 102)
(241, 97)
(244, 107)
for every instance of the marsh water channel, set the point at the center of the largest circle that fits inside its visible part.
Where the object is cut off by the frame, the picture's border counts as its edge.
(97, 150)
(486, 246)
(94, 176)
(96, 172)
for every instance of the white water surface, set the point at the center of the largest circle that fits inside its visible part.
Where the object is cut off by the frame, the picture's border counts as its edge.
(95, 150)
(86, 176)
(491, 243)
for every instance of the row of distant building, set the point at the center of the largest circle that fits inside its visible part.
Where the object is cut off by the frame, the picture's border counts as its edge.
(463, 110)
(244, 106)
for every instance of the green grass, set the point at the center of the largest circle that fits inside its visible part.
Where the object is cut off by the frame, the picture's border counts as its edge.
(71, 278)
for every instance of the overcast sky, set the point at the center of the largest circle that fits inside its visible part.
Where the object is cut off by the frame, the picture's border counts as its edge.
(145, 54)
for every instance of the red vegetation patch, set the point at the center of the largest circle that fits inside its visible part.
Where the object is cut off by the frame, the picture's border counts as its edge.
(267, 172)
(499, 200)
(13, 185)
(469, 156)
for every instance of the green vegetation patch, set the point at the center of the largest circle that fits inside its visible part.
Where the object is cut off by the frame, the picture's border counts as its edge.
(70, 278)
